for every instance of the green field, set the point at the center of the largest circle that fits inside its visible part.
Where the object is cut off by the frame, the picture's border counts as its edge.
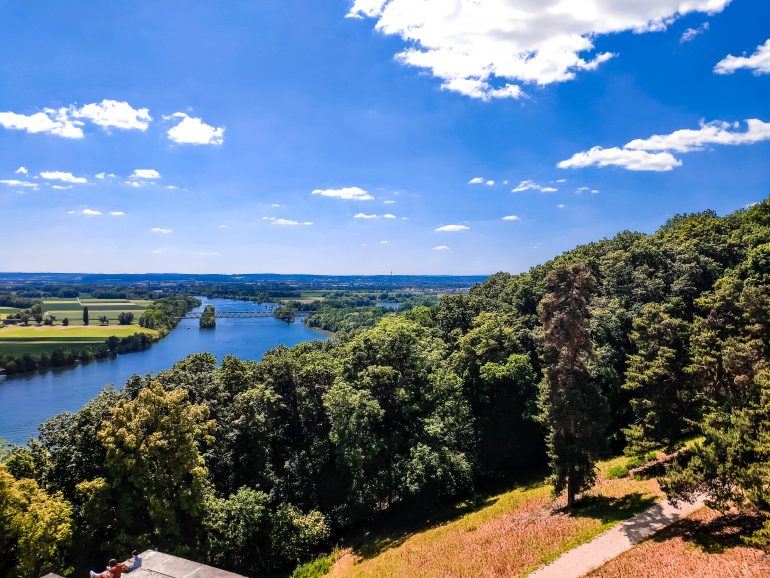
(71, 309)
(37, 340)
(17, 340)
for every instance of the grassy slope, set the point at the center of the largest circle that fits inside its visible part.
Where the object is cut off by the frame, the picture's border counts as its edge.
(510, 534)
(704, 544)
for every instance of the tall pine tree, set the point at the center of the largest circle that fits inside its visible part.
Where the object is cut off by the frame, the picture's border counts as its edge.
(572, 407)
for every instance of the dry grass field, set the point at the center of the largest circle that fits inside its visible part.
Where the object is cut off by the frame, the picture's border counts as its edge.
(704, 545)
(510, 534)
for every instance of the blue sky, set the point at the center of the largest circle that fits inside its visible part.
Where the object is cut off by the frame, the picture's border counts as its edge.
(387, 109)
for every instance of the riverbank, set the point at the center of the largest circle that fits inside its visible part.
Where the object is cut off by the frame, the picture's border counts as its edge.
(99, 329)
(28, 399)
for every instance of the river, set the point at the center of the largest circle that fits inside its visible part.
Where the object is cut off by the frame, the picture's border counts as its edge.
(27, 400)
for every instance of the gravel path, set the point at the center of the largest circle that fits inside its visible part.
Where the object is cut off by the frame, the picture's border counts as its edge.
(581, 560)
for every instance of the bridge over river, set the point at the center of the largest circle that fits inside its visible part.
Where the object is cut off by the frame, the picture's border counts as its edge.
(233, 314)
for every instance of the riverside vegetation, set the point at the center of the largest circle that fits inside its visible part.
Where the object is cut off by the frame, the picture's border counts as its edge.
(635, 343)
(24, 348)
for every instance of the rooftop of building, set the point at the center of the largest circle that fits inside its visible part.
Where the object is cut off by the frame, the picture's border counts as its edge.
(160, 565)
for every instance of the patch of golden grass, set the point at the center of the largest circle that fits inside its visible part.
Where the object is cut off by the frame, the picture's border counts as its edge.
(704, 545)
(514, 533)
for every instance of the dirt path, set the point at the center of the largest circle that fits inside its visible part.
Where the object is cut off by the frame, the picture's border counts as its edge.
(581, 560)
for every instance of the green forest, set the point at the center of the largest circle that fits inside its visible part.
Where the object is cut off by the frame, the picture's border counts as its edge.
(626, 345)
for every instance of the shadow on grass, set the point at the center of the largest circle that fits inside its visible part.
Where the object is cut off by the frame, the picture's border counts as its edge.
(713, 536)
(402, 521)
(608, 510)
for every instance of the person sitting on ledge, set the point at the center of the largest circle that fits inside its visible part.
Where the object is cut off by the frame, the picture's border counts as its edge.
(134, 563)
(114, 570)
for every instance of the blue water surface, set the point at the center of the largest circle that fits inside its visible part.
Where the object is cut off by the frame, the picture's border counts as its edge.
(27, 400)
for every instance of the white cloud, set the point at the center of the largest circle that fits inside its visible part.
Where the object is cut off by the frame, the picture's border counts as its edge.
(530, 185)
(291, 222)
(560, 206)
(22, 171)
(135, 184)
(18, 183)
(581, 190)
(389, 202)
(759, 62)
(692, 33)
(440, 248)
(117, 214)
(490, 183)
(368, 216)
(63, 176)
(652, 154)
(618, 157)
(145, 174)
(560, 181)
(191, 130)
(50, 121)
(161, 231)
(717, 133)
(223, 226)
(511, 218)
(476, 181)
(345, 193)
(171, 187)
(275, 205)
(114, 114)
(90, 212)
(61, 187)
(101, 176)
(209, 253)
(451, 228)
(384, 242)
(485, 49)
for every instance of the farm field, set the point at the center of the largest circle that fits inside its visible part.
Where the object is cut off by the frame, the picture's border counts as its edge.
(37, 340)
(73, 309)
(4, 311)
(17, 340)
(509, 534)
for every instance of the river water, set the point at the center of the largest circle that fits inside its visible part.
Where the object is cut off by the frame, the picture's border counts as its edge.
(27, 400)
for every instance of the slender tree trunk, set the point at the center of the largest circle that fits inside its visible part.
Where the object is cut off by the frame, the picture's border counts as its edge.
(571, 489)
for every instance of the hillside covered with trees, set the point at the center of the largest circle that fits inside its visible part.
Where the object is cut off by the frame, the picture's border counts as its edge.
(627, 344)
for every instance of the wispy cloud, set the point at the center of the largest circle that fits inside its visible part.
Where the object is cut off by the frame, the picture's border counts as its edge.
(291, 223)
(145, 174)
(440, 248)
(692, 33)
(759, 62)
(366, 216)
(654, 153)
(451, 228)
(63, 176)
(530, 185)
(345, 194)
(511, 218)
(117, 213)
(18, 183)
(21, 171)
(161, 231)
(90, 212)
